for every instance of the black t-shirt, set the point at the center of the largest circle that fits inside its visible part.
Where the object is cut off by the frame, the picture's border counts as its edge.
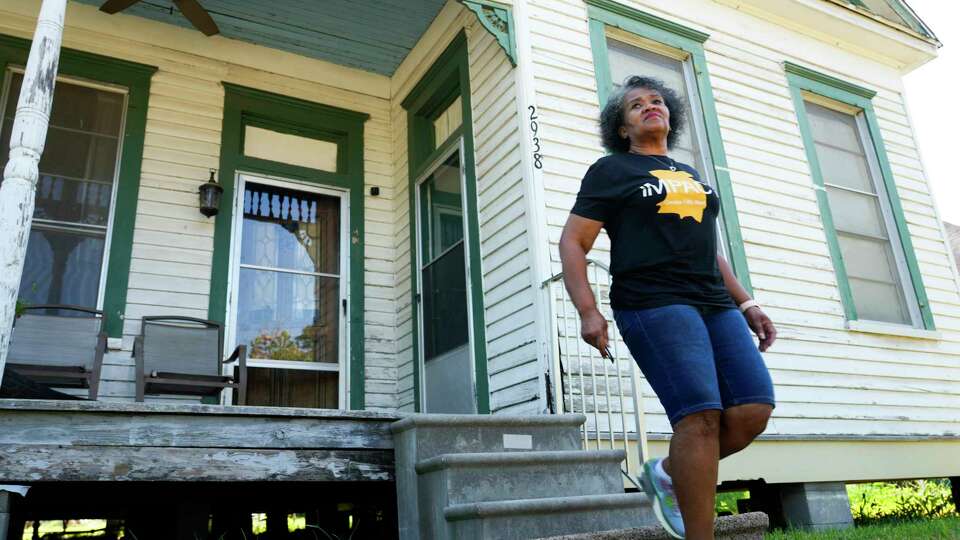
(662, 228)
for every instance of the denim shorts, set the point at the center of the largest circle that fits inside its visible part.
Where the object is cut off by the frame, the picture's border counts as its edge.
(696, 359)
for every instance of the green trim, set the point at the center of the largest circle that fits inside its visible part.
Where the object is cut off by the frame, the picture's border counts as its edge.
(601, 60)
(498, 20)
(136, 79)
(912, 20)
(247, 106)
(909, 19)
(447, 79)
(828, 83)
(820, 85)
(604, 13)
(614, 13)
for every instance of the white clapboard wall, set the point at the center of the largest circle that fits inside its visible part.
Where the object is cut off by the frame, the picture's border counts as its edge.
(829, 381)
(508, 295)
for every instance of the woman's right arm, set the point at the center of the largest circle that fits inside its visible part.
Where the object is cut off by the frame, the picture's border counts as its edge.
(577, 239)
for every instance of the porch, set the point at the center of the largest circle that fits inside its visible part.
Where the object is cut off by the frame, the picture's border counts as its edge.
(168, 469)
(326, 150)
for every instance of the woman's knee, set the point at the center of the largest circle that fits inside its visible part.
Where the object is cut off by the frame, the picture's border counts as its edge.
(702, 424)
(744, 423)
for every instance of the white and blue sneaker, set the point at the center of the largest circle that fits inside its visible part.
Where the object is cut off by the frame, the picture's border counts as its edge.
(658, 486)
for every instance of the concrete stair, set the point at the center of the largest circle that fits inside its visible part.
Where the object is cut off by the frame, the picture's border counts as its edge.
(480, 476)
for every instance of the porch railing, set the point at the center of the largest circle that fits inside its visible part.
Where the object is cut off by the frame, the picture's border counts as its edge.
(581, 381)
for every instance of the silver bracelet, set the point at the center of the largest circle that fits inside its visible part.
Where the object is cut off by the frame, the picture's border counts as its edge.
(747, 305)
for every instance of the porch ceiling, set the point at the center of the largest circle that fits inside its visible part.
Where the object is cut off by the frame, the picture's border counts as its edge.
(372, 35)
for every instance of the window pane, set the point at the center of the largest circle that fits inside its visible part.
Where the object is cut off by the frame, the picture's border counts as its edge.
(445, 303)
(834, 127)
(441, 205)
(627, 60)
(284, 316)
(76, 107)
(79, 155)
(62, 268)
(844, 168)
(874, 282)
(867, 258)
(74, 201)
(295, 230)
(876, 301)
(856, 212)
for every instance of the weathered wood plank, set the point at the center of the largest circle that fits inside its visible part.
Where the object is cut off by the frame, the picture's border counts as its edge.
(39, 463)
(189, 426)
(84, 429)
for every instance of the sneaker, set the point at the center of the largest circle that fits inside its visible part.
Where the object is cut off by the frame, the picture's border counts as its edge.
(660, 490)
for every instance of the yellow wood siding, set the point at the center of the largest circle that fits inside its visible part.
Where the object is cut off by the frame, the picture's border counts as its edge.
(173, 242)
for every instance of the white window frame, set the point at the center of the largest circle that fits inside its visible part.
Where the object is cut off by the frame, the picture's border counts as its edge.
(230, 334)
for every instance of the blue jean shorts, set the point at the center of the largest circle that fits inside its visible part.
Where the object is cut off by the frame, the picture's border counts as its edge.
(696, 359)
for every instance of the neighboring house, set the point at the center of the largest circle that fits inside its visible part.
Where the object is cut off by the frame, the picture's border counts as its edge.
(396, 176)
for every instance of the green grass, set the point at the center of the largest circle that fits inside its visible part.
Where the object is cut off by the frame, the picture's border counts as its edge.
(936, 529)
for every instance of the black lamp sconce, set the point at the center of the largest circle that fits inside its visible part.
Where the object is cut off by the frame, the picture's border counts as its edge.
(210, 193)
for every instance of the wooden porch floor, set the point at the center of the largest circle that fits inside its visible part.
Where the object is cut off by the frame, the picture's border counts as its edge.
(78, 441)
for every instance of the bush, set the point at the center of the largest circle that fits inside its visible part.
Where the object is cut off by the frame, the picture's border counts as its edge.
(726, 502)
(903, 500)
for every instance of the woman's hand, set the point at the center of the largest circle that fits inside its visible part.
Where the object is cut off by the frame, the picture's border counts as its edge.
(593, 330)
(762, 326)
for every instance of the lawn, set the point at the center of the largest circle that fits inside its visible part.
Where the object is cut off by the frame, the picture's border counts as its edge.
(939, 528)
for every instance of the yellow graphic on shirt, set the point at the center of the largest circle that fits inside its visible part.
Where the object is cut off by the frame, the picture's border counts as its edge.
(685, 196)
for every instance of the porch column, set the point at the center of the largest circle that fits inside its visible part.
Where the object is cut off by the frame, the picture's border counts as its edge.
(26, 144)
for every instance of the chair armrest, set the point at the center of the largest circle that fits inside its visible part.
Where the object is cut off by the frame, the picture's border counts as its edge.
(239, 353)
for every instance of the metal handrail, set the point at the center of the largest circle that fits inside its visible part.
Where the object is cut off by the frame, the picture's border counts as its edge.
(567, 370)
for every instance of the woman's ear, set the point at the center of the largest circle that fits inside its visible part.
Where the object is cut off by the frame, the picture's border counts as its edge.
(623, 132)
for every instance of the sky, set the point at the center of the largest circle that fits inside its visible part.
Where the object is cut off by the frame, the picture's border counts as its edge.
(933, 101)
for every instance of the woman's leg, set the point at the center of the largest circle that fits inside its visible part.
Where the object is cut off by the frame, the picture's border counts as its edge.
(672, 346)
(692, 465)
(740, 425)
(745, 385)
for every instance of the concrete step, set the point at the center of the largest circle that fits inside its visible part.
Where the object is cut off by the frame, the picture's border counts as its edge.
(750, 526)
(533, 518)
(429, 435)
(451, 479)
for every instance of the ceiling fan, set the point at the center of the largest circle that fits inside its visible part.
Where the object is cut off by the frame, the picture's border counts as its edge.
(191, 9)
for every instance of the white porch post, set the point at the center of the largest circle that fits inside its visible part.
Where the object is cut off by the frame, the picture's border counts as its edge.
(26, 144)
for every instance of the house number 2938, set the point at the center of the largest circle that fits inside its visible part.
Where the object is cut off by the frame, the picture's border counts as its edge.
(535, 127)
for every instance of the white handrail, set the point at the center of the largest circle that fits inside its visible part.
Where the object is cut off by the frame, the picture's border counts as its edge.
(570, 381)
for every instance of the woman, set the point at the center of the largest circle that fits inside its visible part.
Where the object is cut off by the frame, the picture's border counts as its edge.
(674, 298)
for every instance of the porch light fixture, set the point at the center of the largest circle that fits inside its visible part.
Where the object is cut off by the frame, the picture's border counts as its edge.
(210, 193)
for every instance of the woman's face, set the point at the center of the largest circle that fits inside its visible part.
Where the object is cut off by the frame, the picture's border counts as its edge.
(645, 115)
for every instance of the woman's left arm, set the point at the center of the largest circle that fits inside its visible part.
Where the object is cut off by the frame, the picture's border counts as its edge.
(758, 321)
